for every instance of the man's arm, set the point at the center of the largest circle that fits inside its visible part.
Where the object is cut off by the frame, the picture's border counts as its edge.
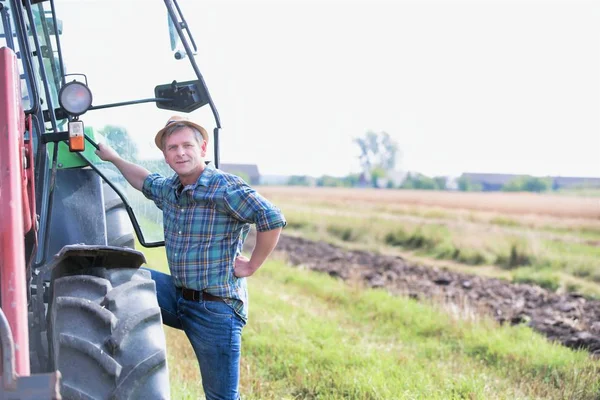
(265, 243)
(135, 174)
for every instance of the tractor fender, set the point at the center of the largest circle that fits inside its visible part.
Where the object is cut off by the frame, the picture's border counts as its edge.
(85, 256)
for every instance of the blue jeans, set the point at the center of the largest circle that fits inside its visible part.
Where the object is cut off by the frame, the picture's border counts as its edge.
(215, 332)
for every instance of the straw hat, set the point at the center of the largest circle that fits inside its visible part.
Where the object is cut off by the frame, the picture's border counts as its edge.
(180, 120)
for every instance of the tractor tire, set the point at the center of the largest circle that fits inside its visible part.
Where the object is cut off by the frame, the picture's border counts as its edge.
(119, 231)
(106, 335)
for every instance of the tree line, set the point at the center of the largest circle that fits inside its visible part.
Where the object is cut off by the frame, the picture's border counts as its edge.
(379, 154)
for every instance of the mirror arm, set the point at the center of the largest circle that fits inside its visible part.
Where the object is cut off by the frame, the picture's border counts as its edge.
(62, 114)
(127, 103)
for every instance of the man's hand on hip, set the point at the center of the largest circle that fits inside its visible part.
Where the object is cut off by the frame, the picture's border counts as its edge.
(243, 268)
(265, 243)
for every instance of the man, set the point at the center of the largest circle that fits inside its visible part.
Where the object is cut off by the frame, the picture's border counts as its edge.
(207, 216)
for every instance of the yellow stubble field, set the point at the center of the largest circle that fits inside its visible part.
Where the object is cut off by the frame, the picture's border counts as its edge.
(522, 204)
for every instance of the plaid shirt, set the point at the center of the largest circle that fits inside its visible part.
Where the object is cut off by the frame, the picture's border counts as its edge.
(205, 227)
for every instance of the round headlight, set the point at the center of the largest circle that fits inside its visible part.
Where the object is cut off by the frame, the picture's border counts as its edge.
(75, 98)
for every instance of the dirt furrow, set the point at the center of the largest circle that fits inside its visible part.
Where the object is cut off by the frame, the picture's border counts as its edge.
(570, 319)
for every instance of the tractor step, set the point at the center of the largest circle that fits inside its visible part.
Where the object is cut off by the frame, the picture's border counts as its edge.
(34, 387)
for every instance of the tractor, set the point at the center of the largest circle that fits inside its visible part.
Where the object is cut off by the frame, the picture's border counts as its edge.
(79, 319)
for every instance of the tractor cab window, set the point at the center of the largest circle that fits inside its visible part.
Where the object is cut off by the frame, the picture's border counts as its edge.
(8, 38)
(46, 35)
(36, 64)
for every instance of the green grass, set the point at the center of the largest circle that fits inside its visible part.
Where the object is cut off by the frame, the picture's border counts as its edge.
(544, 277)
(311, 336)
(578, 259)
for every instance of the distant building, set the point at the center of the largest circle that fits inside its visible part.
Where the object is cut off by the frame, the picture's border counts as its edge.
(562, 182)
(247, 172)
(495, 182)
(276, 180)
(488, 182)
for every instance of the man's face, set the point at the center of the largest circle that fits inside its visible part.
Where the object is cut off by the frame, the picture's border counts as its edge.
(185, 155)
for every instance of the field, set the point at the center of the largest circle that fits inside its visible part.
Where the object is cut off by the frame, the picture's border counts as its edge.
(551, 240)
(311, 336)
(498, 202)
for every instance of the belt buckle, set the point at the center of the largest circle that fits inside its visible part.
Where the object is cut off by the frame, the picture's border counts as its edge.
(191, 294)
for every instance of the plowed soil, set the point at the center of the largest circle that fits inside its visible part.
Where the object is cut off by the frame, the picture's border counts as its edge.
(570, 319)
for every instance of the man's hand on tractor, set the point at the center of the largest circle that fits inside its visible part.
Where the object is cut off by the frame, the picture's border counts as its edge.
(107, 153)
(135, 174)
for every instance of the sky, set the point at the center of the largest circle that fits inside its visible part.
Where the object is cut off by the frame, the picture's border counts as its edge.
(461, 86)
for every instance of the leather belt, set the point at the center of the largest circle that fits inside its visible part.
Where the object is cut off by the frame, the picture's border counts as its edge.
(196, 295)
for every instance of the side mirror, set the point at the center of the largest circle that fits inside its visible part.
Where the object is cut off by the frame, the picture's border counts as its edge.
(181, 96)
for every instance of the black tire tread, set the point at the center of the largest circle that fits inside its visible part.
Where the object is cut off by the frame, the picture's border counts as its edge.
(69, 392)
(113, 203)
(90, 286)
(88, 348)
(119, 294)
(117, 234)
(127, 240)
(122, 330)
(110, 343)
(98, 311)
(133, 378)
